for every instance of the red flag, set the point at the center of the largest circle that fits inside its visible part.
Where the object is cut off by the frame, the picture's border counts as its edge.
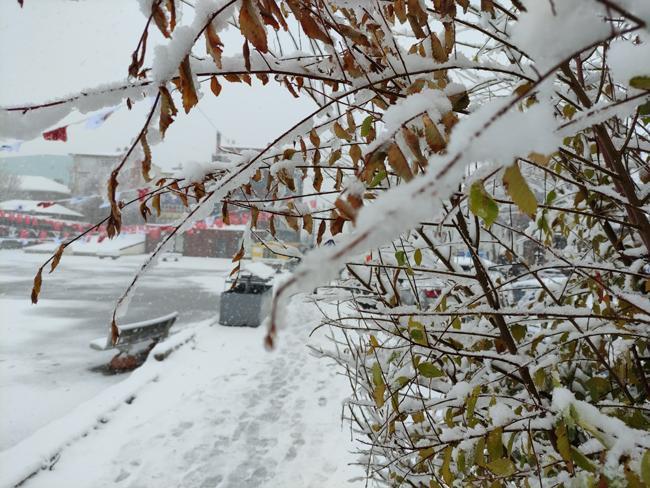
(58, 134)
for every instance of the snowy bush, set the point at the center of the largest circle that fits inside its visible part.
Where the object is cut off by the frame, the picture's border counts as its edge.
(482, 170)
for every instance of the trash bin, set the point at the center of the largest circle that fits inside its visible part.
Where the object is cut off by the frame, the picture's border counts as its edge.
(247, 303)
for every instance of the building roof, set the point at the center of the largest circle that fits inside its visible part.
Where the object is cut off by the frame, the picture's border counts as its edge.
(31, 206)
(41, 183)
(56, 167)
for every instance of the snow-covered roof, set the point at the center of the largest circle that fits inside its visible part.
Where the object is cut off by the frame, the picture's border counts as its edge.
(41, 183)
(31, 206)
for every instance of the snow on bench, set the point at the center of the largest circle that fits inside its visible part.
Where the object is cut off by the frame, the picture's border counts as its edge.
(137, 333)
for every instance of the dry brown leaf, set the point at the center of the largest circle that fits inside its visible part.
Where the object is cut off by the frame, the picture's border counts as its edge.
(167, 110)
(308, 223)
(224, 213)
(155, 203)
(213, 45)
(190, 98)
(318, 178)
(215, 86)
(251, 27)
(321, 230)
(146, 162)
(36, 289)
(57, 257)
(313, 137)
(247, 56)
(434, 139)
(160, 19)
(398, 162)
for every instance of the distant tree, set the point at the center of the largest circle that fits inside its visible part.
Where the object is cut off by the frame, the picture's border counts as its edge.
(9, 184)
(445, 133)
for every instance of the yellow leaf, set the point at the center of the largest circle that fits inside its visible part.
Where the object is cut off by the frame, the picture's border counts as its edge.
(434, 139)
(341, 133)
(519, 190)
(540, 159)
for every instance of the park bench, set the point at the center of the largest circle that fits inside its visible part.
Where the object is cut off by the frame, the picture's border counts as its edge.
(135, 341)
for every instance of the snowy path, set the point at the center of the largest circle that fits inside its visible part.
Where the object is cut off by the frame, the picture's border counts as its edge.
(223, 413)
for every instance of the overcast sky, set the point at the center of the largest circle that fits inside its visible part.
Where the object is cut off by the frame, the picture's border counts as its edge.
(51, 48)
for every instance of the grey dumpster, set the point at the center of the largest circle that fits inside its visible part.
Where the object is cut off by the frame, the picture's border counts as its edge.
(247, 303)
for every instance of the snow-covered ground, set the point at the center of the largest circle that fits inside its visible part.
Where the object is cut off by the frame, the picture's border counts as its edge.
(219, 412)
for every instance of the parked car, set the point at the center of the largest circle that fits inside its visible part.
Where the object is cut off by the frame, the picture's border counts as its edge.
(527, 288)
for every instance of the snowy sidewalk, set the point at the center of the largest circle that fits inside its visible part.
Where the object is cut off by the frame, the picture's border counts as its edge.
(223, 412)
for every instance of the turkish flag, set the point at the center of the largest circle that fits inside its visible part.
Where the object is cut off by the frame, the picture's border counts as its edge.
(58, 134)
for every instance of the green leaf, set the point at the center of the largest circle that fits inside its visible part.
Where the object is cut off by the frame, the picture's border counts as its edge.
(645, 108)
(581, 460)
(366, 126)
(598, 387)
(377, 378)
(445, 471)
(471, 405)
(645, 467)
(401, 258)
(563, 446)
(552, 195)
(378, 178)
(518, 331)
(495, 444)
(416, 330)
(418, 336)
(479, 456)
(519, 191)
(417, 256)
(402, 381)
(502, 467)
(641, 82)
(426, 453)
(482, 204)
(429, 370)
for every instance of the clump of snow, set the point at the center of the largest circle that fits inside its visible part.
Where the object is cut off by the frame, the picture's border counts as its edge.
(628, 60)
(167, 58)
(434, 102)
(552, 31)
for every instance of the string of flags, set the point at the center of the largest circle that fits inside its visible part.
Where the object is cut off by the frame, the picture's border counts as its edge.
(61, 133)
